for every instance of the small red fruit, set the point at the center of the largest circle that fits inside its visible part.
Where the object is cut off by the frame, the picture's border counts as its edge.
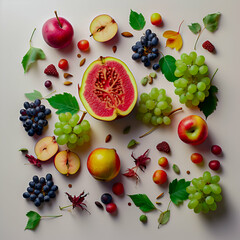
(214, 165)
(83, 45)
(48, 84)
(118, 188)
(196, 158)
(63, 64)
(163, 162)
(208, 46)
(215, 149)
(156, 19)
(159, 176)
(111, 207)
(51, 70)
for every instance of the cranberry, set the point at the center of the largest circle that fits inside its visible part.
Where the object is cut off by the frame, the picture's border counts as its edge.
(48, 84)
(118, 188)
(215, 149)
(214, 165)
(111, 207)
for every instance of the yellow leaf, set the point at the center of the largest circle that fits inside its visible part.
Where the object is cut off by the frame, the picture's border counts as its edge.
(170, 34)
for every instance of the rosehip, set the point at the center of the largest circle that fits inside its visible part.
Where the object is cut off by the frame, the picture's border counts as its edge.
(118, 188)
(156, 19)
(83, 45)
(63, 64)
(196, 158)
(159, 176)
(111, 207)
(163, 162)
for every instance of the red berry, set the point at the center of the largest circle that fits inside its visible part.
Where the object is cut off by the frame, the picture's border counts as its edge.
(159, 176)
(215, 149)
(111, 207)
(163, 147)
(63, 64)
(83, 45)
(51, 70)
(118, 188)
(48, 84)
(196, 158)
(214, 165)
(208, 46)
(163, 162)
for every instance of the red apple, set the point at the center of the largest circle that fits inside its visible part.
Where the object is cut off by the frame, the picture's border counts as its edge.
(67, 162)
(57, 32)
(103, 164)
(193, 130)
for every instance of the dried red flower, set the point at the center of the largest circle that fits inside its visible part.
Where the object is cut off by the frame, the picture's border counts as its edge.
(131, 172)
(141, 160)
(33, 160)
(78, 201)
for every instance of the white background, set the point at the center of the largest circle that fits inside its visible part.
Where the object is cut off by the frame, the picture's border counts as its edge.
(17, 21)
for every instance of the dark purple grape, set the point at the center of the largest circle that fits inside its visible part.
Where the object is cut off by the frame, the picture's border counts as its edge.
(31, 132)
(26, 105)
(47, 111)
(136, 56)
(42, 108)
(37, 102)
(144, 59)
(48, 84)
(32, 105)
(147, 63)
(156, 66)
(23, 112)
(26, 195)
(148, 32)
(23, 118)
(154, 41)
(106, 198)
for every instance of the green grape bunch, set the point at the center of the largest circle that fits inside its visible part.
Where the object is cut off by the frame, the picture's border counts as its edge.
(193, 82)
(70, 131)
(155, 107)
(204, 192)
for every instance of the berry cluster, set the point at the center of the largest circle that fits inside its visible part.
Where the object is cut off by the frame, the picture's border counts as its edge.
(193, 83)
(70, 131)
(154, 107)
(41, 189)
(204, 193)
(146, 50)
(33, 117)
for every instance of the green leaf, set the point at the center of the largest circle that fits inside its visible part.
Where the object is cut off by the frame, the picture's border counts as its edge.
(211, 21)
(195, 28)
(64, 103)
(32, 56)
(167, 65)
(208, 106)
(33, 221)
(132, 143)
(127, 129)
(137, 21)
(143, 202)
(164, 218)
(177, 191)
(34, 95)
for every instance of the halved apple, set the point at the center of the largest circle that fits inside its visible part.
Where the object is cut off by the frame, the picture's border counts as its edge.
(46, 148)
(67, 162)
(103, 28)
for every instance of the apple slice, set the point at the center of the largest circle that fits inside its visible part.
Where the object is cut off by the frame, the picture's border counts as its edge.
(46, 148)
(67, 162)
(103, 28)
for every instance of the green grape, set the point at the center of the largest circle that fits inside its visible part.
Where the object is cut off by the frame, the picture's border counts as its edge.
(58, 131)
(85, 125)
(86, 138)
(198, 208)
(206, 80)
(215, 188)
(201, 86)
(76, 117)
(203, 69)
(64, 123)
(209, 200)
(205, 208)
(159, 120)
(154, 94)
(217, 197)
(72, 122)
(144, 97)
(168, 100)
(161, 97)
(193, 55)
(162, 105)
(142, 108)
(189, 96)
(63, 139)
(80, 141)
(157, 111)
(183, 55)
(62, 117)
(77, 129)
(67, 129)
(68, 116)
(73, 138)
(192, 88)
(193, 203)
(206, 93)
(191, 189)
(213, 206)
(193, 70)
(147, 117)
(198, 195)
(71, 145)
(162, 91)
(178, 62)
(200, 60)
(200, 96)
(58, 125)
(166, 120)
(176, 83)
(183, 99)
(191, 196)
(179, 91)
(215, 179)
(195, 182)
(207, 177)
(207, 189)
(182, 67)
(183, 82)
(150, 104)
(201, 184)
(167, 110)
(154, 120)
(177, 73)
(195, 101)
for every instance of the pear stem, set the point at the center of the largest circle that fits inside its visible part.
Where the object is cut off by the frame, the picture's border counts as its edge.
(58, 19)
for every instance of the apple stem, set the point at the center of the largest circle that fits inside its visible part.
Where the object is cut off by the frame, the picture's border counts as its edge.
(51, 216)
(30, 41)
(152, 129)
(61, 208)
(58, 19)
(83, 115)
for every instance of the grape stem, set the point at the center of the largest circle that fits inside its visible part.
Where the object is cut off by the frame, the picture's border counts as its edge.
(83, 115)
(195, 45)
(30, 41)
(213, 75)
(152, 129)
